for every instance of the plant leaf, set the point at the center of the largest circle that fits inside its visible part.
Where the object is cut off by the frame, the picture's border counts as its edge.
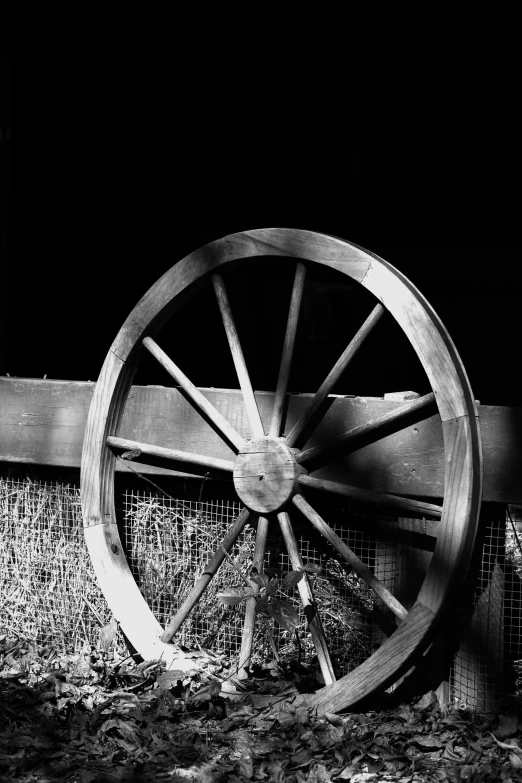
(262, 604)
(272, 586)
(312, 568)
(293, 578)
(231, 597)
(285, 615)
(259, 579)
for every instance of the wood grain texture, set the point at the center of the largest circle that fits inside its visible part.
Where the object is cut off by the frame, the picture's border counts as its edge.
(238, 358)
(463, 497)
(427, 335)
(209, 572)
(350, 557)
(265, 475)
(251, 604)
(381, 669)
(173, 455)
(439, 358)
(305, 591)
(218, 421)
(42, 422)
(300, 432)
(305, 245)
(166, 295)
(123, 595)
(371, 432)
(367, 496)
(288, 351)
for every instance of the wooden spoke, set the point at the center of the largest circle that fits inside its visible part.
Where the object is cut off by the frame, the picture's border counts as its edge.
(123, 444)
(369, 496)
(307, 599)
(302, 428)
(250, 610)
(227, 432)
(288, 351)
(237, 355)
(350, 557)
(208, 573)
(364, 434)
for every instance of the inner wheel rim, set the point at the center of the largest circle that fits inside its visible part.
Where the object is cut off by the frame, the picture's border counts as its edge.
(455, 402)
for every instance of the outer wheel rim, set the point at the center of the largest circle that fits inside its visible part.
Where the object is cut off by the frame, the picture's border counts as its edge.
(455, 402)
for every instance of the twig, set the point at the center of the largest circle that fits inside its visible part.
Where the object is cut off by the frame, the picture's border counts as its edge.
(514, 531)
(243, 577)
(93, 610)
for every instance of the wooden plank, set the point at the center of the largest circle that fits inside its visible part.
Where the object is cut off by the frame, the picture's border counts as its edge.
(43, 422)
(196, 397)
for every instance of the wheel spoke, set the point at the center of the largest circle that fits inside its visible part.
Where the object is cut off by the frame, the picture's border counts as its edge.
(300, 432)
(369, 496)
(370, 432)
(288, 350)
(227, 432)
(315, 625)
(250, 610)
(161, 452)
(351, 558)
(237, 355)
(208, 573)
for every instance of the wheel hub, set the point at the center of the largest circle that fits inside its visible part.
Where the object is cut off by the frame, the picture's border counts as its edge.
(265, 475)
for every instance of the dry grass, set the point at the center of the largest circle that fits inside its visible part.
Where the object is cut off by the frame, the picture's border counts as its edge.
(47, 586)
(49, 592)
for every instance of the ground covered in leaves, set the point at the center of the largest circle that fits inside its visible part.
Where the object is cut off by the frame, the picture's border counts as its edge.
(97, 717)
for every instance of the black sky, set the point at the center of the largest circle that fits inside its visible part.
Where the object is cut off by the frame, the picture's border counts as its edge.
(108, 188)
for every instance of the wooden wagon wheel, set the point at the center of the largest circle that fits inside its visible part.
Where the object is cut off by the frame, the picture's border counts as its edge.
(270, 471)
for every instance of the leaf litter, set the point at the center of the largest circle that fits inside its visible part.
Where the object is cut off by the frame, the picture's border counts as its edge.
(97, 717)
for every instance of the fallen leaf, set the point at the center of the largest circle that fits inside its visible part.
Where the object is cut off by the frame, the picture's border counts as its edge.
(426, 742)
(335, 720)
(507, 726)
(206, 693)
(246, 767)
(169, 679)
(515, 760)
(426, 701)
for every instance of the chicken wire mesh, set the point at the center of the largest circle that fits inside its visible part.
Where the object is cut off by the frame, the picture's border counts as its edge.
(168, 541)
(48, 590)
(487, 665)
(49, 593)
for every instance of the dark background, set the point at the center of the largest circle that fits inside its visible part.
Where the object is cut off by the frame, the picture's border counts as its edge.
(105, 188)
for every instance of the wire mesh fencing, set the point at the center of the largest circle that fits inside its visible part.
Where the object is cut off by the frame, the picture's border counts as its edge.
(49, 593)
(48, 590)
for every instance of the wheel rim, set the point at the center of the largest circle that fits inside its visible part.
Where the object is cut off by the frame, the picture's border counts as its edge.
(454, 400)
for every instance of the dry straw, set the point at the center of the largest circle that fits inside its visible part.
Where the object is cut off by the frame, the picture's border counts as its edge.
(49, 594)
